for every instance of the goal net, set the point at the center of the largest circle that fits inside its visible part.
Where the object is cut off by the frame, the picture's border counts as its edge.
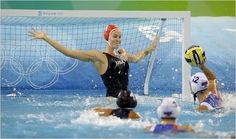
(34, 64)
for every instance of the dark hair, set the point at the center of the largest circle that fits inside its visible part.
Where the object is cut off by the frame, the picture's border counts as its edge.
(125, 99)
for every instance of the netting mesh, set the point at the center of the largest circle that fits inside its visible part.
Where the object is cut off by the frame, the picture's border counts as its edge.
(27, 63)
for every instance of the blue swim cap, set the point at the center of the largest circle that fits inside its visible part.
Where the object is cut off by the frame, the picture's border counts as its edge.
(126, 99)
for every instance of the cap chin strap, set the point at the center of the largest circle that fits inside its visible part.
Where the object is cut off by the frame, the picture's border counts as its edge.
(115, 51)
(168, 118)
(194, 94)
(108, 43)
(194, 97)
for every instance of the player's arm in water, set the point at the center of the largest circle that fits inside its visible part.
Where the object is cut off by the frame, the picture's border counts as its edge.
(103, 111)
(94, 56)
(213, 87)
(134, 115)
(133, 58)
(185, 128)
(148, 128)
(179, 127)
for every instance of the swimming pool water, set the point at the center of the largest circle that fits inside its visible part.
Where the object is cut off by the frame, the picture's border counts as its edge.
(55, 115)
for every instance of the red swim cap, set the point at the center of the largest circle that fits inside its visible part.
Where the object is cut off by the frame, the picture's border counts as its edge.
(108, 30)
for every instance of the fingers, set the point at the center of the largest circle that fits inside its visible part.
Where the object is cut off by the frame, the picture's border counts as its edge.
(32, 34)
(33, 38)
(33, 29)
(157, 37)
(43, 30)
(155, 40)
(36, 35)
(121, 50)
(201, 65)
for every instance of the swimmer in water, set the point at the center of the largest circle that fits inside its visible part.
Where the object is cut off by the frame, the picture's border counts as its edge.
(168, 111)
(204, 88)
(111, 64)
(126, 102)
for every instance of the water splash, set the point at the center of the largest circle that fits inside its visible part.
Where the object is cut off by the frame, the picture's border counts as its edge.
(92, 117)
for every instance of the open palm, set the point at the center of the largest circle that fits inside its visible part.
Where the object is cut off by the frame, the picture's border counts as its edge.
(37, 35)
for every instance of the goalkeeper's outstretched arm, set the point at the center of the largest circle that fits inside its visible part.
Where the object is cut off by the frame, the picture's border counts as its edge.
(87, 56)
(140, 55)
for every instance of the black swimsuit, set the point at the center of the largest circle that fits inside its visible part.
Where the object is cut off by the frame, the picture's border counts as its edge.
(116, 76)
(121, 113)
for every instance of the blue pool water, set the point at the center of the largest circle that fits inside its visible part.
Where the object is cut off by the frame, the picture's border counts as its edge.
(57, 115)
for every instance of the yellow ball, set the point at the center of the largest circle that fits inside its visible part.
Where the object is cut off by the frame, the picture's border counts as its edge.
(195, 55)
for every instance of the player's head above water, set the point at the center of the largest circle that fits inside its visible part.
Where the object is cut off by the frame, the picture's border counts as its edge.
(112, 35)
(168, 109)
(126, 99)
(198, 82)
(109, 29)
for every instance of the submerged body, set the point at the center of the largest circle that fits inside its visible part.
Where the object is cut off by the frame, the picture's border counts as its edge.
(212, 102)
(126, 102)
(169, 128)
(119, 112)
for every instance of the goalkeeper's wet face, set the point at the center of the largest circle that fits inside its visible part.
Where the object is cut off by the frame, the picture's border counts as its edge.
(115, 38)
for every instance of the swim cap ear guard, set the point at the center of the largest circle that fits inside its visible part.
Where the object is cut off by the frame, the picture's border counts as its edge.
(108, 30)
(126, 99)
(168, 109)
